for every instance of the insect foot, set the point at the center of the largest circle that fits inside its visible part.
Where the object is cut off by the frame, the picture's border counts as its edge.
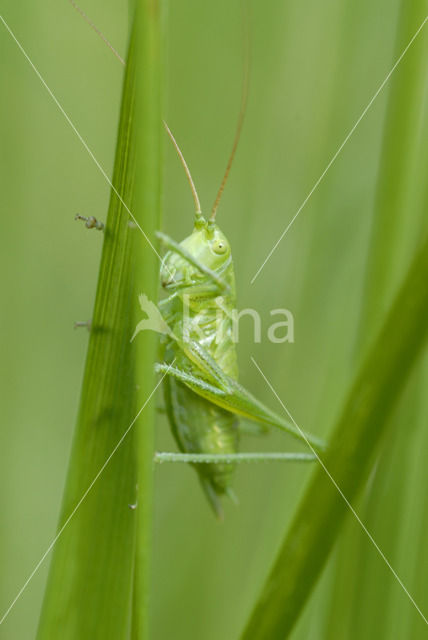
(83, 323)
(91, 222)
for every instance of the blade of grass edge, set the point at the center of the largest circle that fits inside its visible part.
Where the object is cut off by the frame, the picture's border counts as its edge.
(148, 28)
(89, 589)
(354, 441)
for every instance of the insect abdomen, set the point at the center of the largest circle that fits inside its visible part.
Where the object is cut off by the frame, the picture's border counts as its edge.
(199, 426)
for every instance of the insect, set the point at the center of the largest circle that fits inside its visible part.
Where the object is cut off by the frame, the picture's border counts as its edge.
(203, 398)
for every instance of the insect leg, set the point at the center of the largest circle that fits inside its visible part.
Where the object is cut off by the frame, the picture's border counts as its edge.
(218, 458)
(83, 323)
(199, 385)
(243, 403)
(91, 222)
(206, 363)
(233, 397)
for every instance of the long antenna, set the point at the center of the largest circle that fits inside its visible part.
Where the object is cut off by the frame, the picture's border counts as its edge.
(174, 142)
(244, 99)
(187, 170)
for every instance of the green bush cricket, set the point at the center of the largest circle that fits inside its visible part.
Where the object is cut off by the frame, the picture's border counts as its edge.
(203, 397)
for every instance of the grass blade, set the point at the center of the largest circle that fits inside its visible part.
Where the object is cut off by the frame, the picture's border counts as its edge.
(89, 590)
(354, 442)
(389, 505)
(147, 201)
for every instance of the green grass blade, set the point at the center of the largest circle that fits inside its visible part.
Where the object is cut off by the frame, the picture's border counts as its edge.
(89, 590)
(392, 235)
(148, 22)
(389, 504)
(354, 442)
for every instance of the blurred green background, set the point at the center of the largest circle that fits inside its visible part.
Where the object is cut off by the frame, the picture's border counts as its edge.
(314, 68)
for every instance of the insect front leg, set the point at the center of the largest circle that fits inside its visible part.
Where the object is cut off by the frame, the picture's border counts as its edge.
(91, 222)
(82, 323)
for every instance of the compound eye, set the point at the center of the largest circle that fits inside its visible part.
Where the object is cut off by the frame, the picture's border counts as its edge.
(219, 247)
